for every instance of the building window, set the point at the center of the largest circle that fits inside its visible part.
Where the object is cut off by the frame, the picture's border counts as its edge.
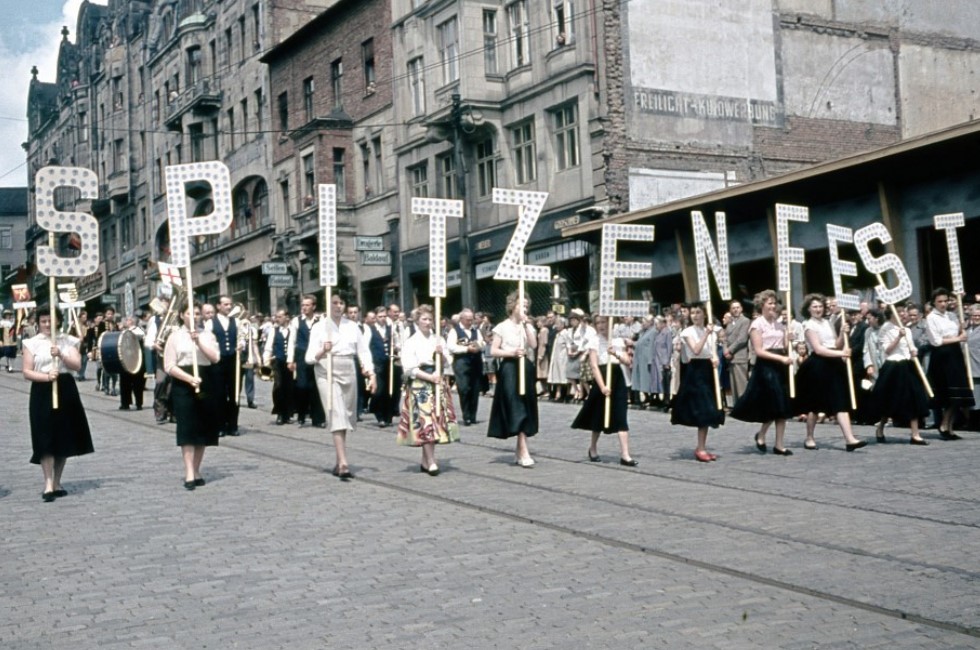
(486, 167)
(259, 98)
(416, 83)
(370, 72)
(127, 232)
(119, 149)
(283, 104)
(449, 50)
(241, 39)
(7, 238)
(379, 177)
(197, 142)
(490, 42)
(260, 197)
(525, 164)
(193, 65)
(308, 90)
(309, 179)
(420, 180)
(447, 176)
(340, 173)
(520, 33)
(336, 85)
(117, 95)
(83, 127)
(284, 197)
(562, 12)
(256, 39)
(566, 136)
(158, 177)
(366, 168)
(231, 129)
(229, 44)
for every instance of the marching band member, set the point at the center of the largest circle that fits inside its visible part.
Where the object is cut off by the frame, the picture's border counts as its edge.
(384, 344)
(225, 330)
(56, 433)
(8, 339)
(420, 425)
(466, 345)
(274, 356)
(197, 402)
(341, 340)
(305, 398)
(131, 385)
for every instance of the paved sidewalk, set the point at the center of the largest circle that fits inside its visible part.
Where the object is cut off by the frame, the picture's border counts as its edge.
(826, 549)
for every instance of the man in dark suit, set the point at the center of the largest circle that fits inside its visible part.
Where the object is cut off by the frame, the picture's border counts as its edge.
(466, 345)
(225, 330)
(385, 397)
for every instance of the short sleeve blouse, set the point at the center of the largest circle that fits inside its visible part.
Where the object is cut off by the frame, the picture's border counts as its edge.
(773, 334)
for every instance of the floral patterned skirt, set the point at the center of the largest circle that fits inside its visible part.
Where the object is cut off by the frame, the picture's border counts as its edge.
(419, 424)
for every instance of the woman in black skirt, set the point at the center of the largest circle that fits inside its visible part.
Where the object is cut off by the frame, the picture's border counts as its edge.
(56, 433)
(947, 368)
(513, 414)
(898, 392)
(766, 397)
(821, 383)
(592, 415)
(694, 404)
(195, 399)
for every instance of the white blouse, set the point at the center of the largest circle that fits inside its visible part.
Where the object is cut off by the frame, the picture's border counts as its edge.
(40, 347)
(513, 336)
(824, 330)
(347, 340)
(939, 326)
(420, 350)
(181, 349)
(690, 336)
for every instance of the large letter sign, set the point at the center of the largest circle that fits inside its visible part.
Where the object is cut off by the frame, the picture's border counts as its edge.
(786, 254)
(512, 266)
(949, 223)
(47, 180)
(707, 255)
(610, 269)
(438, 210)
(887, 262)
(327, 232)
(839, 267)
(182, 227)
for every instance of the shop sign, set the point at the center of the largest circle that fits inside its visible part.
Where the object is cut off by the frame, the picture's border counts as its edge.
(483, 244)
(486, 269)
(110, 299)
(453, 278)
(274, 268)
(281, 281)
(376, 258)
(567, 222)
(92, 286)
(369, 244)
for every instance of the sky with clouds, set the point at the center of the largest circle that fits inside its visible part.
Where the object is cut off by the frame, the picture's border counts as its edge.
(30, 31)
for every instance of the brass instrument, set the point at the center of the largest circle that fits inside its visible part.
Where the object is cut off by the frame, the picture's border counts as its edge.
(171, 317)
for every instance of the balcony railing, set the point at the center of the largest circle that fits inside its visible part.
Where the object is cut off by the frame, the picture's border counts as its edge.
(201, 98)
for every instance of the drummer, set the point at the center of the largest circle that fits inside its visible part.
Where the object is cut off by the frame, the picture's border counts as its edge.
(129, 350)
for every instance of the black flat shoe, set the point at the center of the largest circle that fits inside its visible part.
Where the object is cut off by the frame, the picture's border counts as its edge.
(199, 482)
(48, 497)
(632, 462)
(594, 459)
(189, 485)
(61, 493)
(949, 435)
(851, 446)
(781, 452)
(919, 441)
(761, 446)
(344, 474)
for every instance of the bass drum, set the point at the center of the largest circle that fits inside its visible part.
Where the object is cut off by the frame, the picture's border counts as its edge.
(121, 352)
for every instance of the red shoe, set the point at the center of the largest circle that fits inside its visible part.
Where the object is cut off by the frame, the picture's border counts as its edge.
(712, 457)
(703, 456)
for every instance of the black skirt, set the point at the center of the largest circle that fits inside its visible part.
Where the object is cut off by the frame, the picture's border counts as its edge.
(694, 404)
(898, 393)
(821, 386)
(593, 413)
(61, 432)
(511, 412)
(947, 375)
(198, 414)
(766, 397)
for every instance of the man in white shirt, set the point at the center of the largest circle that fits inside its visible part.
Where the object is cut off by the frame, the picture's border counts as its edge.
(466, 343)
(306, 400)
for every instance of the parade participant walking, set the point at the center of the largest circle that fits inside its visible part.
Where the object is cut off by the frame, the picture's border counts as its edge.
(694, 404)
(602, 350)
(422, 423)
(383, 343)
(558, 368)
(898, 392)
(8, 339)
(947, 368)
(466, 345)
(766, 398)
(56, 433)
(225, 330)
(131, 385)
(341, 340)
(274, 356)
(305, 397)
(513, 414)
(197, 401)
(821, 383)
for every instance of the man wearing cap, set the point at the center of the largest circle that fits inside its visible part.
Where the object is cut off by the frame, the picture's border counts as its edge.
(8, 339)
